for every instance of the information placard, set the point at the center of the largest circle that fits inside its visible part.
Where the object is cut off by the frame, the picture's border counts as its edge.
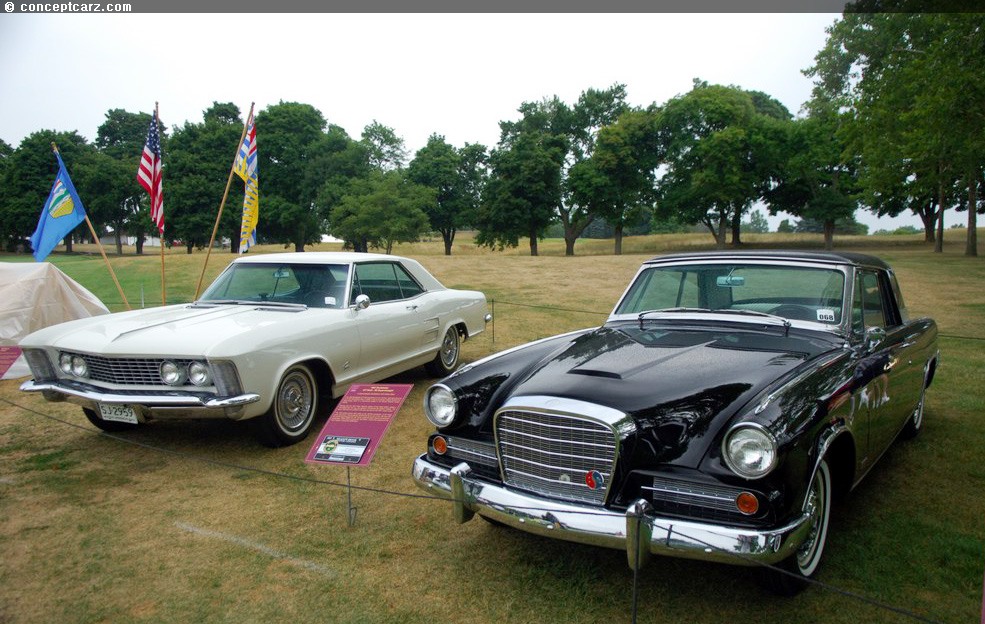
(8, 355)
(357, 424)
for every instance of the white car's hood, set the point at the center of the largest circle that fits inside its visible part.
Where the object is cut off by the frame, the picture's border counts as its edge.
(181, 330)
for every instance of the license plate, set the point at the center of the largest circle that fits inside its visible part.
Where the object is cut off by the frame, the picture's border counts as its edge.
(118, 412)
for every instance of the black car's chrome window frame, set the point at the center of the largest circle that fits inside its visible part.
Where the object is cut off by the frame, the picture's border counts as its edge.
(843, 328)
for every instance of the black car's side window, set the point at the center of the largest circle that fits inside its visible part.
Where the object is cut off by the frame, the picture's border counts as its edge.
(869, 308)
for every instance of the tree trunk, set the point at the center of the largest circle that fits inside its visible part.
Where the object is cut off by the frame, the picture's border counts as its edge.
(298, 247)
(618, 235)
(928, 216)
(68, 242)
(139, 244)
(736, 228)
(533, 242)
(722, 229)
(188, 247)
(119, 242)
(829, 234)
(449, 237)
(939, 243)
(971, 247)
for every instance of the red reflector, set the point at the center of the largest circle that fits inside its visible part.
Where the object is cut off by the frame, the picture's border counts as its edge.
(440, 445)
(747, 503)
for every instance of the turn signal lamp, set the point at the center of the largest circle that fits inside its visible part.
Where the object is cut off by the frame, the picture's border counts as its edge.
(747, 503)
(440, 445)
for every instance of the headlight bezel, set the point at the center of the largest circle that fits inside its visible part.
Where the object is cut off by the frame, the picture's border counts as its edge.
(746, 438)
(448, 411)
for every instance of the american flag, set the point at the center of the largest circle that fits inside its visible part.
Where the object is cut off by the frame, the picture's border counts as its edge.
(149, 174)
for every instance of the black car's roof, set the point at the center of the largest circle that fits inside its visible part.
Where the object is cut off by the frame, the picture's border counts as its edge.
(834, 257)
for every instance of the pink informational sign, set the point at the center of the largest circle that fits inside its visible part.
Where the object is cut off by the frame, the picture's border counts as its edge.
(357, 424)
(7, 357)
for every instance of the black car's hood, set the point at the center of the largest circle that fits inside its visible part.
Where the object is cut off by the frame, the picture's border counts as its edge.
(680, 385)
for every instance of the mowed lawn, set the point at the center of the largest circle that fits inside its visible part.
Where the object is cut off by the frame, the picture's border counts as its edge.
(195, 522)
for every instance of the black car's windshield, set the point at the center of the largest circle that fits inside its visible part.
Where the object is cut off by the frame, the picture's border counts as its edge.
(314, 285)
(804, 293)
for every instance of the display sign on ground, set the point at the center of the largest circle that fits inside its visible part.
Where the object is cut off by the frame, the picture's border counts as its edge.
(8, 355)
(356, 426)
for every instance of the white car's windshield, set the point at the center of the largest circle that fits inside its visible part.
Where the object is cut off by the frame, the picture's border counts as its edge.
(313, 285)
(792, 292)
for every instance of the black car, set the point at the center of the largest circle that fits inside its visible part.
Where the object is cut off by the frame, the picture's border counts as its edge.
(713, 416)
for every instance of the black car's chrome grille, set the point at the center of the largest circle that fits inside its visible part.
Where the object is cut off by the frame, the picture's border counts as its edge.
(568, 457)
(126, 371)
(472, 451)
(697, 500)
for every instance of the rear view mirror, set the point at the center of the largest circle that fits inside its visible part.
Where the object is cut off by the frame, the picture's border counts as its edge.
(730, 281)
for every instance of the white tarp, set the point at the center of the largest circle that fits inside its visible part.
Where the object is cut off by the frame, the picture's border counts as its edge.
(34, 295)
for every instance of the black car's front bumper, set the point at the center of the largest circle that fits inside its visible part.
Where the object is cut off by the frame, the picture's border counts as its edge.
(638, 531)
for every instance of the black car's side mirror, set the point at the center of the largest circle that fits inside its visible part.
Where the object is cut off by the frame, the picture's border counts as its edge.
(874, 336)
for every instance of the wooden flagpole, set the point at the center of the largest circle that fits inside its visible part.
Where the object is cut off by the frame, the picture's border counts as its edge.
(95, 237)
(164, 301)
(215, 228)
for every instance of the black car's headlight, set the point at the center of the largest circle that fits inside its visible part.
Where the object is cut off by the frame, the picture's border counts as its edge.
(440, 405)
(750, 451)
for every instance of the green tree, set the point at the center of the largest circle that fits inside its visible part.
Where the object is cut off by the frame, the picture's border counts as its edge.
(617, 181)
(524, 190)
(386, 149)
(757, 223)
(381, 210)
(288, 134)
(722, 147)
(454, 177)
(28, 173)
(197, 169)
(912, 82)
(121, 201)
(816, 181)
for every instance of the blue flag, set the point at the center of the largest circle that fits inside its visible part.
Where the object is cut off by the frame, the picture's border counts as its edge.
(62, 212)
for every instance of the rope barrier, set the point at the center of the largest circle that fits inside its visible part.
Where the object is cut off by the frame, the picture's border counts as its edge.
(279, 475)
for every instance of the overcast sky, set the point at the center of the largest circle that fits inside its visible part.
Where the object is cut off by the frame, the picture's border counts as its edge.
(457, 75)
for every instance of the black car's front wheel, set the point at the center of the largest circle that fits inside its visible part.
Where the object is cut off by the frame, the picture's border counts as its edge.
(289, 419)
(790, 576)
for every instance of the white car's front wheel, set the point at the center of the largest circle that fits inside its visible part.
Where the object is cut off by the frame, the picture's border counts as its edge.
(289, 419)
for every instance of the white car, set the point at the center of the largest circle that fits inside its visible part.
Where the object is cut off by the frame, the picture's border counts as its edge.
(275, 337)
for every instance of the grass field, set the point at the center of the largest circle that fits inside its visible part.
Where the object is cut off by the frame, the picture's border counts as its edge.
(195, 522)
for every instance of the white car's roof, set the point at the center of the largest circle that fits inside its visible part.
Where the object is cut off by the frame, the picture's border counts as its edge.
(316, 257)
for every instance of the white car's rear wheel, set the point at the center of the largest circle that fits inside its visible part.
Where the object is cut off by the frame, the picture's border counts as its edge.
(446, 360)
(293, 411)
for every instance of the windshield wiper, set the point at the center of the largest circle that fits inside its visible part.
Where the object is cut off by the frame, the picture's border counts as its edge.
(785, 322)
(247, 302)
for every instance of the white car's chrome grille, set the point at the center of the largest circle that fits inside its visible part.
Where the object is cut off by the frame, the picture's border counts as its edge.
(126, 371)
(564, 456)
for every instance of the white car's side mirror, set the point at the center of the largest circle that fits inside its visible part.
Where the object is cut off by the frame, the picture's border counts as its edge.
(362, 302)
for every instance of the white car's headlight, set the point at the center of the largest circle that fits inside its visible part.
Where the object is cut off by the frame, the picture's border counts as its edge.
(199, 374)
(440, 405)
(172, 373)
(79, 366)
(750, 451)
(65, 363)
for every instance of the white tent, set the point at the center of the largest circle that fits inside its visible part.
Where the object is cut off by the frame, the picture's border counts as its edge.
(32, 296)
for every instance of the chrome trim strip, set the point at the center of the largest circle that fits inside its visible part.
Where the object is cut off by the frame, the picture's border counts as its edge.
(597, 526)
